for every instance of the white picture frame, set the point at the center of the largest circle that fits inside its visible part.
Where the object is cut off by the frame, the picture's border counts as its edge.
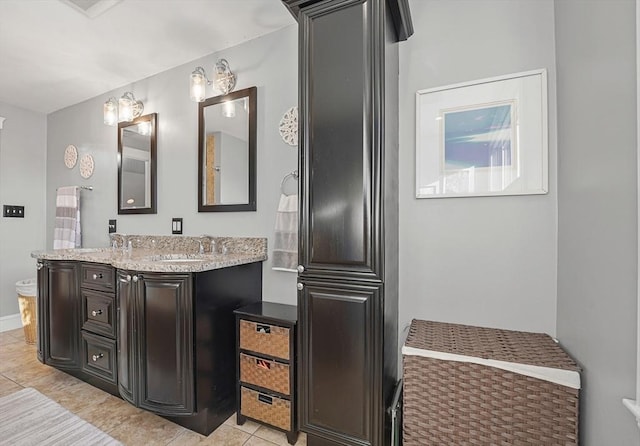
(487, 137)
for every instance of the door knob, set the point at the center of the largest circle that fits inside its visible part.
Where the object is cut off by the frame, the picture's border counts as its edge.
(97, 276)
(96, 312)
(300, 268)
(300, 286)
(134, 278)
(96, 357)
(128, 278)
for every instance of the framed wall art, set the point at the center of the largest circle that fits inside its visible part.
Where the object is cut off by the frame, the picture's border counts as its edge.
(482, 138)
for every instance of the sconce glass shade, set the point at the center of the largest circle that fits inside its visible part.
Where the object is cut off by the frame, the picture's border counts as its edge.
(197, 85)
(110, 110)
(229, 109)
(224, 79)
(129, 108)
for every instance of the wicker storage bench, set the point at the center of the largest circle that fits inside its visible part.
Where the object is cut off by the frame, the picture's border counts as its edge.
(467, 385)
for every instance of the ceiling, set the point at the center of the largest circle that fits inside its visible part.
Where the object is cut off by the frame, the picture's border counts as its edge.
(53, 55)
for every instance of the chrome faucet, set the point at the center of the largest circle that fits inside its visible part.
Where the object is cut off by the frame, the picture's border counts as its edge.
(211, 241)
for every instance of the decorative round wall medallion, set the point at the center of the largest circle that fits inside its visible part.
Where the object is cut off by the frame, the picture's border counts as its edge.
(289, 126)
(70, 156)
(86, 166)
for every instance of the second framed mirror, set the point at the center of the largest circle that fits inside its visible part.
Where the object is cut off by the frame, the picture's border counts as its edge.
(227, 152)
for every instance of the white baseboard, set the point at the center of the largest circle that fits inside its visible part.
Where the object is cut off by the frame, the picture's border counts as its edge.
(10, 322)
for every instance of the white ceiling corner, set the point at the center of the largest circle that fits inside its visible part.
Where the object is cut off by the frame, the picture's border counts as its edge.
(52, 56)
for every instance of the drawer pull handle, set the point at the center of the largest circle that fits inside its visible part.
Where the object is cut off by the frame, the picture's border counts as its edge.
(96, 312)
(97, 276)
(261, 363)
(96, 357)
(260, 328)
(265, 399)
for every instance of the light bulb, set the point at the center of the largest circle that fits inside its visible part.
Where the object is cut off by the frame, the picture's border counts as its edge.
(198, 84)
(125, 109)
(110, 110)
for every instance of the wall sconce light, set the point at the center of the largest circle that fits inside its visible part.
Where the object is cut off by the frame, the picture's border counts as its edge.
(127, 108)
(223, 80)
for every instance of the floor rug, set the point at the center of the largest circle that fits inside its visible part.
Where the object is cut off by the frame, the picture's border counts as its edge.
(29, 418)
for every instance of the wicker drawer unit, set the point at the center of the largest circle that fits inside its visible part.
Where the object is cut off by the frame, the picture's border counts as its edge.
(471, 385)
(266, 366)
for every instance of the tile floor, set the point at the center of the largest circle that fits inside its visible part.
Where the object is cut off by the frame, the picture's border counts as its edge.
(20, 368)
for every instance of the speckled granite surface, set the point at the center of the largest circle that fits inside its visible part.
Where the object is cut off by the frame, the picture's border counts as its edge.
(168, 253)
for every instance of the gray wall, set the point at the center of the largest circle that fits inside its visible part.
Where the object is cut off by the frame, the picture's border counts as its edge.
(270, 64)
(597, 223)
(22, 170)
(487, 261)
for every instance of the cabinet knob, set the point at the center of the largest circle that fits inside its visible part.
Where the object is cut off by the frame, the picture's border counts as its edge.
(134, 278)
(96, 357)
(300, 268)
(97, 276)
(128, 278)
(300, 286)
(96, 312)
(39, 265)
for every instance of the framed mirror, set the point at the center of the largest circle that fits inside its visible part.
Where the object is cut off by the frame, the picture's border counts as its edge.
(227, 152)
(137, 165)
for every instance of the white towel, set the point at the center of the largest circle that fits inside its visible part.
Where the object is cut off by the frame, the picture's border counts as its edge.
(67, 233)
(285, 246)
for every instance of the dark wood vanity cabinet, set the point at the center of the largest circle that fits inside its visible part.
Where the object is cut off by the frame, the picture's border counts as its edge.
(348, 249)
(176, 343)
(76, 320)
(58, 318)
(155, 348)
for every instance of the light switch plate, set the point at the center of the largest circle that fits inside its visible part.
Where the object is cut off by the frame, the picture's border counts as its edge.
(12, 210)
(176, 225)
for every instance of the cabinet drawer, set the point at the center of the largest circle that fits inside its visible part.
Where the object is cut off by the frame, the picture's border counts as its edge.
(97, 277)
(266, 408)
(99, 357)
(98, 313)
(271, 375)
(268, 339)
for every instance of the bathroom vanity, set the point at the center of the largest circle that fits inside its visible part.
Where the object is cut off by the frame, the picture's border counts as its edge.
(153, 324)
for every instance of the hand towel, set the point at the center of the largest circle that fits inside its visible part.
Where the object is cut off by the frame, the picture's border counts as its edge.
(66, 232)
(285, 246)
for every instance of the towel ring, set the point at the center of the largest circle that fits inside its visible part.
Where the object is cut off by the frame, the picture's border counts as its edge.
(293, 175)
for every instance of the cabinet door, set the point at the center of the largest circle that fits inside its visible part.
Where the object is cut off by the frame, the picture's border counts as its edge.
(41, 308)
(338, 360)
(337, 223)
(127, 337)
(62, 337)
(165, 331)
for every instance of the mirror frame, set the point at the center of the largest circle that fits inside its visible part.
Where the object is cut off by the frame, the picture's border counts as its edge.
(251, 94)
(153, 119)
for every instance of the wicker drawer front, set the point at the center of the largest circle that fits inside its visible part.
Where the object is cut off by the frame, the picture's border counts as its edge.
(263, 338)
(266, 408)
(268, 374)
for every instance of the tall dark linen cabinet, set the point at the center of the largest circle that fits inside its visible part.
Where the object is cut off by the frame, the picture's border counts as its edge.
(348, 253)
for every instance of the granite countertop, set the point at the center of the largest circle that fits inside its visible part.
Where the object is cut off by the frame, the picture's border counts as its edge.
(179, 257)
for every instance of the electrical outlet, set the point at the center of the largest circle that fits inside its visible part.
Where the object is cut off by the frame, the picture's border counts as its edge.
(11, 210)
(176, 226)
(112, 226)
